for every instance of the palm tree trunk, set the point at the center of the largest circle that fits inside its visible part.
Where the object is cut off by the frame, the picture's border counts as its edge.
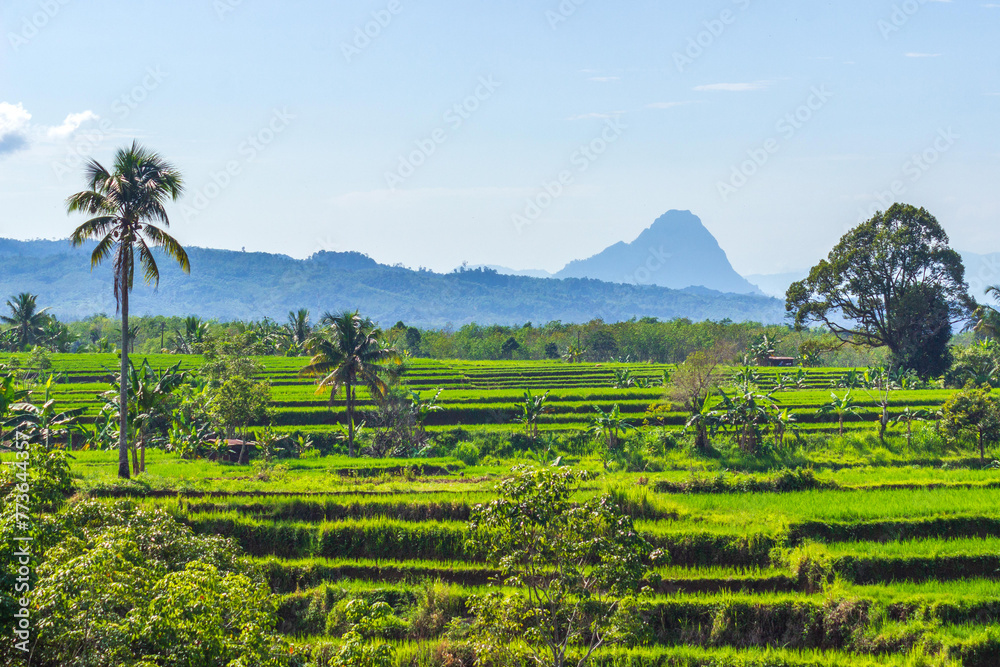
(123, 471)
(840, 422)
(909, 433)
(350, 420)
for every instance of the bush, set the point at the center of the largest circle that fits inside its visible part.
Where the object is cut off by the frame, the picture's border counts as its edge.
(467, 453)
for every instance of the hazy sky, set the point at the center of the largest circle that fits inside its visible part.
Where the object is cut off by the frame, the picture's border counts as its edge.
(524, 132)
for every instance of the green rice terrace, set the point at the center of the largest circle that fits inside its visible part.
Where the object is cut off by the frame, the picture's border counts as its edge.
(484, 396)
(820, 550)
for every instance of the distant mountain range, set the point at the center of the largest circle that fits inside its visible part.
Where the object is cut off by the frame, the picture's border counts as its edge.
(676, 251)
(238, 285)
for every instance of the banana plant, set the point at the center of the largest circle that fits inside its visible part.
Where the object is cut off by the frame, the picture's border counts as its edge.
(148, 392)
(624, 379)
(609, 425)
(532, 408)
(42, 424)
(908, 416)
(842, 406)
(423, 407)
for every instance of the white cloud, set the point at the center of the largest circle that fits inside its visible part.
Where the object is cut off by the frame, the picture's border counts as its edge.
(669, 105)
(13, 122)
(734, 87)
(71, 124)
(605, 79)
(598, 115)
(922, 55)
(13, 117)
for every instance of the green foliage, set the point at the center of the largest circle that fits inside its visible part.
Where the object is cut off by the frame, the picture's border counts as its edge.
(580, 566)
(366, 621)
(972, 412)
(979, 363)
(467, 453)
(897, 280)
(123, 586)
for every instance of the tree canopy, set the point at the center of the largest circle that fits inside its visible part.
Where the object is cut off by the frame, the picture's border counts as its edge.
(893, 282)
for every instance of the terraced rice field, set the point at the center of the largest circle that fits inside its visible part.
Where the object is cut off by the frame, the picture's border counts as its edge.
(484, 396)
(860, 570)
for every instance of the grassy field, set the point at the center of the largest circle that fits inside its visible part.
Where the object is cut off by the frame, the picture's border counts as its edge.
(875, 555)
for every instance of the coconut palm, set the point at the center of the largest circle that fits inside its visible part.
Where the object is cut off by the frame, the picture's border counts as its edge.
(128, 204)
(25, 319)
(349, 354)
(298, 326)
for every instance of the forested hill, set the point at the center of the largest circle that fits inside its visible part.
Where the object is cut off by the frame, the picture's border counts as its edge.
(239, 285)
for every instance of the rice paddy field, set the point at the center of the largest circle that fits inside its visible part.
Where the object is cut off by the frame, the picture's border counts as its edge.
(887, 559)
(484, 396)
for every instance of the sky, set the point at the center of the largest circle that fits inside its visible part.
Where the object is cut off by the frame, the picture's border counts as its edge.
(522, 133)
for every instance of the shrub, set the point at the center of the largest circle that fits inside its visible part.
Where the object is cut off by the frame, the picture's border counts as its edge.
(467, 453)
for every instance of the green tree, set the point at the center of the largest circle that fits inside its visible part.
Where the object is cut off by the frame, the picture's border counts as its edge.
(236, 404)
(191, 340)
(987, 318)
(26, 321)
(128, 203)
(509, 347)
(693, 384)
(579, 567)
(298, 326)
(350, 354)
(972, 412)
(123, 585)
(979, 363)
(891, 281)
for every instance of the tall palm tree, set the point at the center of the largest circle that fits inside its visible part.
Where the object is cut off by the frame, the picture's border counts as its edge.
(128, 203)
(298, 326)
(25, 319)
(350, 354)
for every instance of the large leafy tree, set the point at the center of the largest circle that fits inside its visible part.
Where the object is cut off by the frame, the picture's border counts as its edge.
(893, 282)
(128, 202)
(26, 320)
(348, 354)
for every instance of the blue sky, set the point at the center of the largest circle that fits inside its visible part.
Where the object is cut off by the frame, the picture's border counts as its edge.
(522, 133)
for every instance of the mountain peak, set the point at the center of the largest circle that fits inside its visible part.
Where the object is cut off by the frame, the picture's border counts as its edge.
(676, 251)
